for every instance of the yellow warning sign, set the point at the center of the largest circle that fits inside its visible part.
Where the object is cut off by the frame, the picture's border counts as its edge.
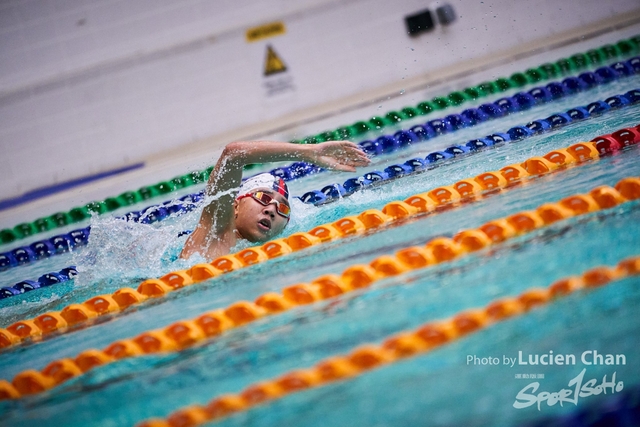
(273, 63)
(265, 31)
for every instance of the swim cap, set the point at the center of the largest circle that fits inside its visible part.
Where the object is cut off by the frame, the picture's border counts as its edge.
(264, 180)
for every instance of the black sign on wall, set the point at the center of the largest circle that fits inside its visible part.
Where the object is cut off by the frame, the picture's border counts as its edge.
(419, 23)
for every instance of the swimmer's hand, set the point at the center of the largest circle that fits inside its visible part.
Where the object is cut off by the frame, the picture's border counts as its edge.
(338, 155)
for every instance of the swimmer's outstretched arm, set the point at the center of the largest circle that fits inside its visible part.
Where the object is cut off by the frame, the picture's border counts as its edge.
(338, 155)
(227, 174)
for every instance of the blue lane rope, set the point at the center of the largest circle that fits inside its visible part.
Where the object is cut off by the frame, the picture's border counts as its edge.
(64, 275)
(435, 159)
(520, 101)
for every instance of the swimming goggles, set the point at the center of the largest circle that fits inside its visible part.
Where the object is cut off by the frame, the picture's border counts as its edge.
(265, 199)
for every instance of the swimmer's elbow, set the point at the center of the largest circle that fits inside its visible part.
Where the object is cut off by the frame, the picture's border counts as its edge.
(235, 150)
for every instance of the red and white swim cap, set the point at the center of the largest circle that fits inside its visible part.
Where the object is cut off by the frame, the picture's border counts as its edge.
(264, 180)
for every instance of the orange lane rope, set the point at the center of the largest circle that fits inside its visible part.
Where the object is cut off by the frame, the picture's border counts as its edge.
(186, 333)
(362, 359)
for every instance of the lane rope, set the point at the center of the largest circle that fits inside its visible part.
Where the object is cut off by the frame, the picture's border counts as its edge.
(46, 280)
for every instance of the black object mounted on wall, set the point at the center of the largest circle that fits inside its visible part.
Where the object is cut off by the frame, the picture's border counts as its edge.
(420, 22)
(446, 14)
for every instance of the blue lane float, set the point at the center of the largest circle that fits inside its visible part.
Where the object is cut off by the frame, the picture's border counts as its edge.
(64, 275)
(44, 248)
(597, 108)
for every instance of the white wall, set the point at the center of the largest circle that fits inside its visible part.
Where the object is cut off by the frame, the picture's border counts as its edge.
(89, 86)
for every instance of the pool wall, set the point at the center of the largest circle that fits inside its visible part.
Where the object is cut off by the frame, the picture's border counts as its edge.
(85, 89)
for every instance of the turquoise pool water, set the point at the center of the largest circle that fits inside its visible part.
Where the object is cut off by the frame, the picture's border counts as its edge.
(438, 388)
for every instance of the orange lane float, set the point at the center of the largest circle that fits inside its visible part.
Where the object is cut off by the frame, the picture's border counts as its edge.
(491, 181)
(468, 188)
(394, 348)
(560, 157)
(373, 218)
(422, 202)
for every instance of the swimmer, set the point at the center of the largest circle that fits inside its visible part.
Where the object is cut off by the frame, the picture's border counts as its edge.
(258, 209)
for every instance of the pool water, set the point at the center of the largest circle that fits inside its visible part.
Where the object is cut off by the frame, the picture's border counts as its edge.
(438, 387)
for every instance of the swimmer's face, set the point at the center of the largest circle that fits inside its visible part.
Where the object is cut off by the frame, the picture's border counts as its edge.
(256, 222)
